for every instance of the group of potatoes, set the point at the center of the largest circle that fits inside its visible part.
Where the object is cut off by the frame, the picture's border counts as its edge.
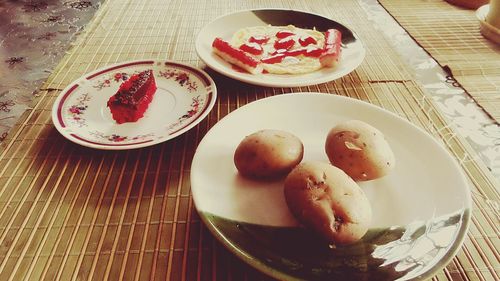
(322, 196)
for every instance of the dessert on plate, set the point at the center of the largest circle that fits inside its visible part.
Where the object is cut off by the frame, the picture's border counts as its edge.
(133, 97)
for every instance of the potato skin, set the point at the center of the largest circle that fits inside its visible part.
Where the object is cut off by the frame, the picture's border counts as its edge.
(360, 150)
(326, 200)
(268, 154)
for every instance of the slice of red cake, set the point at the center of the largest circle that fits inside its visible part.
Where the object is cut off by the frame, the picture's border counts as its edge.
(133, 97)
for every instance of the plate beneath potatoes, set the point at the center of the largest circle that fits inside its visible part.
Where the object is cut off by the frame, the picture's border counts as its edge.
(421, 210)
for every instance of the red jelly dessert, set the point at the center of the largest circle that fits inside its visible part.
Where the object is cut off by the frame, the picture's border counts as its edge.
(133, 97)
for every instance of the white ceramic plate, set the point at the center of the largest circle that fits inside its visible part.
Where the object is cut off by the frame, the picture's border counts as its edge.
(184, 96)
(421, 210)
(489, 31)
(352, 55)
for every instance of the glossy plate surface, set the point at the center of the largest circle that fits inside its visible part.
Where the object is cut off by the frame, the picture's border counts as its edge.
(184, 96)
(488, 30)
(352, 55)
(421, 210)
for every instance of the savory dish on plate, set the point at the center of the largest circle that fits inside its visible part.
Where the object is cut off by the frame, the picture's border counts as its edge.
(280, 49)
(310, 219)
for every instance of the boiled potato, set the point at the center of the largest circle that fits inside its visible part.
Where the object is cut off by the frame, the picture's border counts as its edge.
(360, 150)
(268, 154)
(329, 202)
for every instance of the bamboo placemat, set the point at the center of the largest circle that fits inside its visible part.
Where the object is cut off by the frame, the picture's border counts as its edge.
(73, 213)
(451, 35)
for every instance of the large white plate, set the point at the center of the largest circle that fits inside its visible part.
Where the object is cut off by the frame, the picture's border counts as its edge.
(352, 55)
(421, 210)
(184, 96)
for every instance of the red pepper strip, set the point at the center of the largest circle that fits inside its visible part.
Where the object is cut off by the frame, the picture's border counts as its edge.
(331, 50)
(296, 52)
(259, 39)
(283, 34)
(274, 59)
(279, 51)
(307, 41)
(252, 48)
(308, 52)
(236, 54)
(285, 43)
(313, 52)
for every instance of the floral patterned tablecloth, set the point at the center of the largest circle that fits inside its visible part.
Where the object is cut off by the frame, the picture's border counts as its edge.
(465, 115)
(34, 36)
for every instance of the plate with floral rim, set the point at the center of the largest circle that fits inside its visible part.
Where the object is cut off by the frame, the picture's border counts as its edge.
(184, 97)
(421, 210)
(352, 50)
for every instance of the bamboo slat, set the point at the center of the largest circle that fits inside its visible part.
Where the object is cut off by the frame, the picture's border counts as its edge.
(72, 213)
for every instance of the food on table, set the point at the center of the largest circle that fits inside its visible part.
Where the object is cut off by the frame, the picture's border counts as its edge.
(280, 49)
(268, 154)
(326, 200)
(331, 52)
(236, 56)
(133, 97)
(360, 150)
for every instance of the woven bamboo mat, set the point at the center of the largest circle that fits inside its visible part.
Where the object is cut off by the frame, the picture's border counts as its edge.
(73, 213)
(451, 35)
